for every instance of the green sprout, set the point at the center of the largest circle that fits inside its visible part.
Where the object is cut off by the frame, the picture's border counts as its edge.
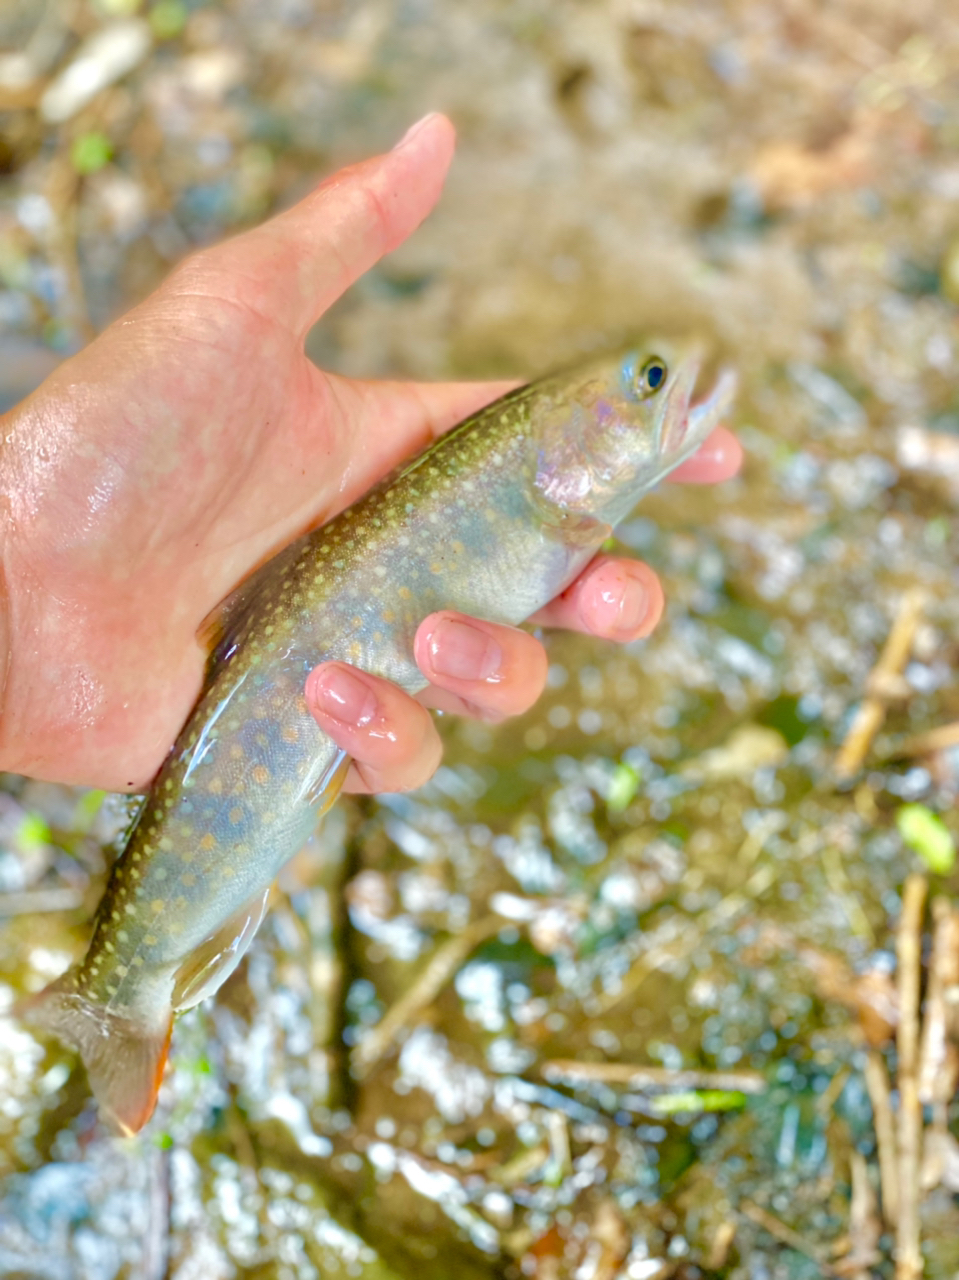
(168, 18)
(927, 835)
(34, 833)
(669, 1104)
(90, 152)
(623, 786)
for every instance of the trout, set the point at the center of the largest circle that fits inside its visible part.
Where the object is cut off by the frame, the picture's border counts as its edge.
(493, 520)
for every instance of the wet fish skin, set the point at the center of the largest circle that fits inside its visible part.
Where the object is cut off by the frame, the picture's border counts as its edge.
(493, 520)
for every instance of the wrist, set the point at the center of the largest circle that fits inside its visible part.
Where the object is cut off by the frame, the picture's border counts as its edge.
(8, 753)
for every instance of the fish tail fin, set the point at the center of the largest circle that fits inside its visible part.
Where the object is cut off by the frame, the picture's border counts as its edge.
(123, 1055)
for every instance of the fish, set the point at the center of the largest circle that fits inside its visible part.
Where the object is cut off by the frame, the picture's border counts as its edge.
(494, 519)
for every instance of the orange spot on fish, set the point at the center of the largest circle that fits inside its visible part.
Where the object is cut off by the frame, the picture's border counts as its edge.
(236, 815)
(208, 841)
(261, 774)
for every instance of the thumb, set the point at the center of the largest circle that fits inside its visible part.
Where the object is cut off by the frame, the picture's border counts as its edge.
(293, 267)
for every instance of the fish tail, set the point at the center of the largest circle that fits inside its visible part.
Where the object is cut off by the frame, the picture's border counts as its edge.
(123, 1055)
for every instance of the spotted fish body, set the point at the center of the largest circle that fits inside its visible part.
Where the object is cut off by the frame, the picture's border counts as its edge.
(493, 520)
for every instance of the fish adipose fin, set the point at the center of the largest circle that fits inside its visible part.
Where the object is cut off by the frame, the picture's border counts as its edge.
(123, 1057)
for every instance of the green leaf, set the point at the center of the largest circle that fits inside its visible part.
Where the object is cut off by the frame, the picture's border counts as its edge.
(623, 786)
(90, 152)
(88, 806)
(926, 834)
(163, 1140)
(34, 833)
(168, 18)
(668, 1104)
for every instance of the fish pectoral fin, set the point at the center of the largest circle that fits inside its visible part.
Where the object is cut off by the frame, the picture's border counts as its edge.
(124, 1056)
(572, 528)
(206, 969)
(583, 531)
(323, 791)
(221, 625)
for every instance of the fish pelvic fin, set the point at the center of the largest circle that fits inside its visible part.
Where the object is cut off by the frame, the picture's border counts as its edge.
(124, 1056)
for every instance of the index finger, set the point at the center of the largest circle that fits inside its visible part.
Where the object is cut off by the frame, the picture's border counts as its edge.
(719, 457)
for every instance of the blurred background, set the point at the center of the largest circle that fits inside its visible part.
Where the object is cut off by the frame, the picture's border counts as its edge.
(431, 1058)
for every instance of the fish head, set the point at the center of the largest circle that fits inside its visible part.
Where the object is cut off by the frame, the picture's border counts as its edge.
(619, 426)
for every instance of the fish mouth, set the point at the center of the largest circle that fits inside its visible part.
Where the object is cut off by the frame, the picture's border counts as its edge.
(685, 423)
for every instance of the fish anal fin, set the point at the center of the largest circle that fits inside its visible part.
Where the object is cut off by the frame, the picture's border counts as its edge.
(124, 1056)
(207, 967)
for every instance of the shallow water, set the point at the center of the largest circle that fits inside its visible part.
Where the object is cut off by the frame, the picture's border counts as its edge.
(655, 864)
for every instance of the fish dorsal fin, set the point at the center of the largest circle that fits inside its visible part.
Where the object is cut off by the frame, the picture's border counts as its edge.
(123, 1055)
(219, 629)
(207, 967)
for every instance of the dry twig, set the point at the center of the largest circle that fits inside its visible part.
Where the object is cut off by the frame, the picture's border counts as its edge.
(629, 1076)
(938, 1068)
(880, 1095)
(31, 901)
(941, 738)
(909, 954)
(442, 965)
(785, 1235)
(722, 1243)
(884, 682)
(865, 1227)
(683, 941)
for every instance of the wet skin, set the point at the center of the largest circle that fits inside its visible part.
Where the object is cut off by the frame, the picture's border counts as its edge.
(152, 472)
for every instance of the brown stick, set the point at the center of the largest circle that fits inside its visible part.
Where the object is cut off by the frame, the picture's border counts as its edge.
(630, 1076)
(865, 1227)
(29, 901)
(938, 739)
(883, 682)
(938, 1068)
(785, 1235)
(442, 965)
(909, 954)
(880, 1095)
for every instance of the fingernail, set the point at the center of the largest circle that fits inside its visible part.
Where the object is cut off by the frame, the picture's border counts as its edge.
(344, 697)
(414, 129)
(463, 652)
(620, 603)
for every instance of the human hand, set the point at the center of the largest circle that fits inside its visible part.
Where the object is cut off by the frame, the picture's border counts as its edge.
(192, 440)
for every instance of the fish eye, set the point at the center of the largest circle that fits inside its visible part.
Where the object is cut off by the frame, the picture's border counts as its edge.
(651, 377)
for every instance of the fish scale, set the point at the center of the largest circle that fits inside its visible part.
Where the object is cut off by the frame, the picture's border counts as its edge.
(493, 520)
